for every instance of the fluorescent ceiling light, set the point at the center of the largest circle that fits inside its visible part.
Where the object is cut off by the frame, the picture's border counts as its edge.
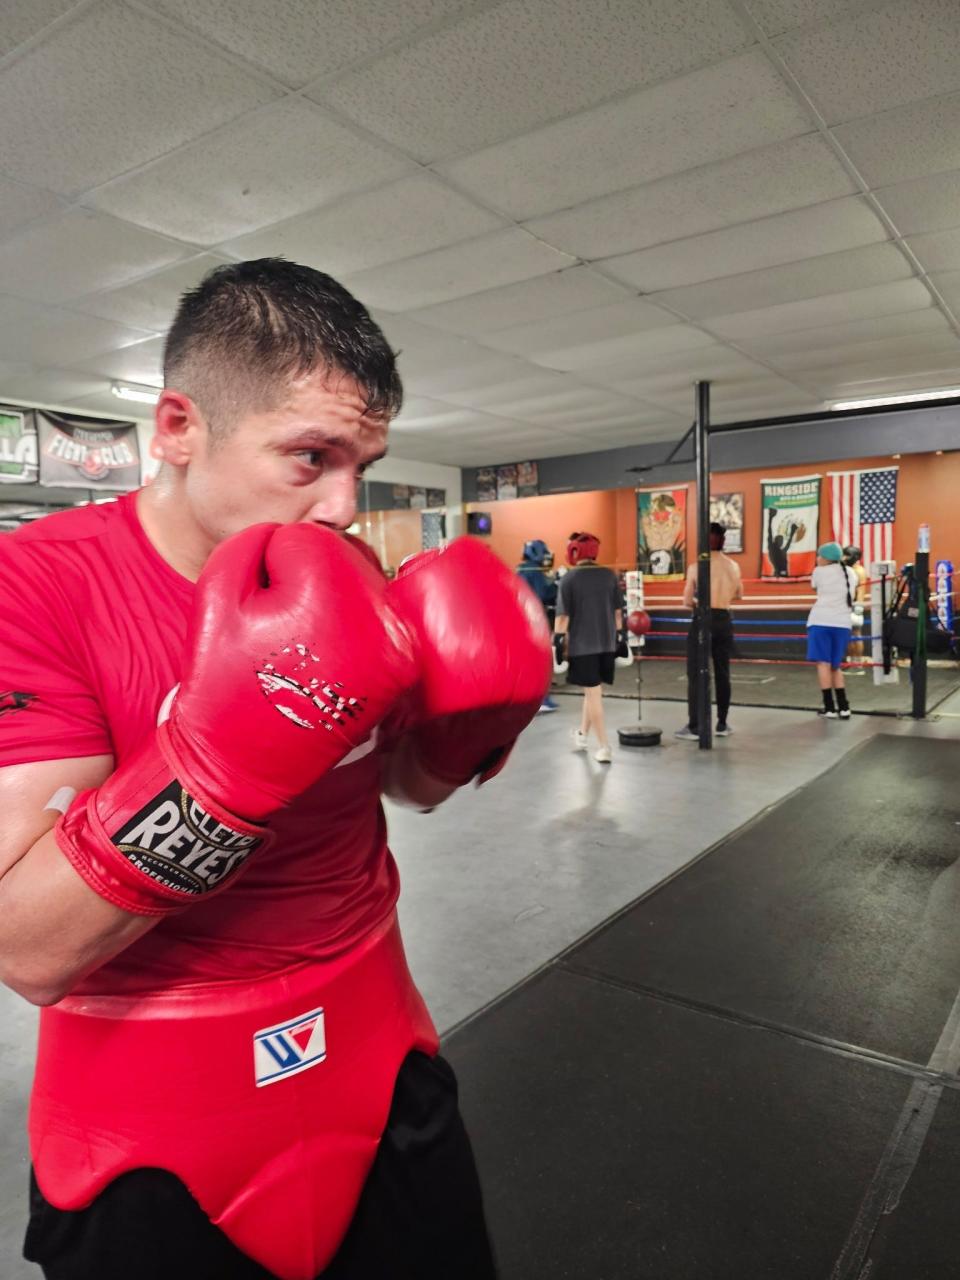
(946, 393)
(130, 391)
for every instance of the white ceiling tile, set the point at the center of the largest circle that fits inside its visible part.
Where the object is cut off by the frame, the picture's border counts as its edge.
(104, 404)
(677, 372)
(572, 406)
(909, 142)
(786, 237)
(21, 20)
(833, 356)
(933, 370)
(776, 16)
(139, 362)
(709, 115)
(43, 336)
(584, 328)
(853, 269)
(789, 175)
(769, 346)
(512, 67)
(939, 250)
(50, 386)
(442, 381)
(497, 395)
(813, 313)
(449, 419)
(20, 204)
(109, 90)
(502, 257)
(150, 303)
(408, 217)
(678, 347)
(301, 40)
(77, 252)
(265, 167)
(948, 282)
(561, 293)
(924, 204)
(883, 58)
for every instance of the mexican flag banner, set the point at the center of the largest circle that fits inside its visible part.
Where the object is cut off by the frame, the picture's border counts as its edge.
(790, 512)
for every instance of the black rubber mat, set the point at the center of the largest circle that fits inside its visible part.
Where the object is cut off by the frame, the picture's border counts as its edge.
(834, 914)
(621, 1137)
(770, 685)
(918, 1238)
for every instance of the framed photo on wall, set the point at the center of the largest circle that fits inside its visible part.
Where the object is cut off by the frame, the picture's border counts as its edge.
(727, 509)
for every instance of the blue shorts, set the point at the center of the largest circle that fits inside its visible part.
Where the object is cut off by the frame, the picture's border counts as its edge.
(828, 644)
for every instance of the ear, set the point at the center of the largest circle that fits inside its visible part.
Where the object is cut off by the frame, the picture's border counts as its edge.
(180, 427)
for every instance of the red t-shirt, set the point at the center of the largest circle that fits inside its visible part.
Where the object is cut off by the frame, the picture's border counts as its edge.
(92, 628)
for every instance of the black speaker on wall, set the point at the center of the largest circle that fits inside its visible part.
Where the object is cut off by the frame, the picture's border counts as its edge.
(479, 522)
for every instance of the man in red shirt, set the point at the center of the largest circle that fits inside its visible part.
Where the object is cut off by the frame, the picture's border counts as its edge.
(236, 1076)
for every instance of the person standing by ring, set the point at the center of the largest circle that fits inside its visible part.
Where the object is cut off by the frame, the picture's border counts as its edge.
(829, 629)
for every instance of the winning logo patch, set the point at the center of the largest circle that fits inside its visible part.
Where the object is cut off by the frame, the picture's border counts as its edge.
(10, 701)
(289, 1048)
(176, 842)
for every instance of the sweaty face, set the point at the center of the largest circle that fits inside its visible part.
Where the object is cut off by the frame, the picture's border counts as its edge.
(302, 459)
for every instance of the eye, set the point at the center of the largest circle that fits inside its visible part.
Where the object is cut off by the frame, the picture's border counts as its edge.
(312, 458)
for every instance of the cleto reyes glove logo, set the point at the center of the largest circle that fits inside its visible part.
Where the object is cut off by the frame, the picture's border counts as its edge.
(290, 682)
(176, 842)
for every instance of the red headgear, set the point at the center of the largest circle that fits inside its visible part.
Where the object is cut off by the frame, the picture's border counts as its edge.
(582, 546)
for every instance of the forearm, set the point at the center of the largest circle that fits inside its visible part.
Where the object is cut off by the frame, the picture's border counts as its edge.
(561, 624)
(55, 929)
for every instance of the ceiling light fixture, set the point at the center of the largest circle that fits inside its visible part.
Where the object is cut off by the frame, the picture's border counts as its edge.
(946, 393)
(130, 391)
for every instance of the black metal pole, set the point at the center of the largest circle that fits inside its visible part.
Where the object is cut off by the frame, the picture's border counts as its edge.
(701, 621)
(921, 573)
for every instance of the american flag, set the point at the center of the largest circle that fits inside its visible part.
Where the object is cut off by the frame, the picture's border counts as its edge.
(864, 509)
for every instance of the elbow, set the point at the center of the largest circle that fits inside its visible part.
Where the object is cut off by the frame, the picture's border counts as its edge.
(39, 989)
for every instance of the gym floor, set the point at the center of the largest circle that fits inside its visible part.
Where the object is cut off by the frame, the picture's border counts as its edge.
(497, 883)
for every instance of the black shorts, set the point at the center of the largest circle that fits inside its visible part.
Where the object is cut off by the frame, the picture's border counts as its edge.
(591, 669)
(420, 1215)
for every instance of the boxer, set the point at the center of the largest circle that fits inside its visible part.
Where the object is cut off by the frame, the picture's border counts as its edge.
(236, 1076)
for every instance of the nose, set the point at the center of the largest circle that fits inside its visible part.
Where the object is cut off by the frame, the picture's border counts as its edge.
(337, 503)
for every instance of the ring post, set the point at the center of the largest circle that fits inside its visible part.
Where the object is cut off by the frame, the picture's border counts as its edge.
(702, 617)
(921, 574)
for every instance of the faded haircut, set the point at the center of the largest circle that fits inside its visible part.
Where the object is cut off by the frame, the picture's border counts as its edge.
(250, 327)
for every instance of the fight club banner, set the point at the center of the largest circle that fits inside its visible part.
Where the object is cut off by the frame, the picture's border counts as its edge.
(661, 532)
(18, 446)
(790, 514)
(87, 453)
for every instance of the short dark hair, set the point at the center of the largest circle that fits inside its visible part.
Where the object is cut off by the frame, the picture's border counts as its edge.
(247, 327)
(718, 530)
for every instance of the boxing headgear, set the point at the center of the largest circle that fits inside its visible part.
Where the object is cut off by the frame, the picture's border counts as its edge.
(535, 552)
(716, 535)
(582, 546)
(852, 554)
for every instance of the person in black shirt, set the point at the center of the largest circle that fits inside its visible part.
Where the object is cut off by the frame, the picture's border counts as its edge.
(589, 618)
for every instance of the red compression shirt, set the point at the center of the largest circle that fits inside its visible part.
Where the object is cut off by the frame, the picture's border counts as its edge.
(92, 629)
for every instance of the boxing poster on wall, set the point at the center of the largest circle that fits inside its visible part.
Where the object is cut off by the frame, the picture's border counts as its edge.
(87, 453)
(727, 509)
(401, 496)
(486, 484)
(661, 532)
(528, 480)
(506, 483)
(436, 497)
(790, 515)
(418, 497)
(18, 447)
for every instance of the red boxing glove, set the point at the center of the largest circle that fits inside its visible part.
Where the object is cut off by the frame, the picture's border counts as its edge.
(294, 657)
(485, 659)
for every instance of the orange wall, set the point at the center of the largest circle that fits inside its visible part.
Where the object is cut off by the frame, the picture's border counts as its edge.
(928, 490)
(394, 535)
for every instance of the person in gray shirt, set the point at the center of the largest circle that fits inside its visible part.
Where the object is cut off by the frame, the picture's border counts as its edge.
(589, 618)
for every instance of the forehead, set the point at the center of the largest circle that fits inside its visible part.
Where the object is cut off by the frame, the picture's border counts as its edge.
(329, 402)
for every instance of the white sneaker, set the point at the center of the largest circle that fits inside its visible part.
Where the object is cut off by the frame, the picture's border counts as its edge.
(603, 755)
(580, 742)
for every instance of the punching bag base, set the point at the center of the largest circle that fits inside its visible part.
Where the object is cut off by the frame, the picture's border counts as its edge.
(639, 735)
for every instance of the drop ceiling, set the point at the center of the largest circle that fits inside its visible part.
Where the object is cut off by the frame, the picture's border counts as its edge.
(561, 212)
